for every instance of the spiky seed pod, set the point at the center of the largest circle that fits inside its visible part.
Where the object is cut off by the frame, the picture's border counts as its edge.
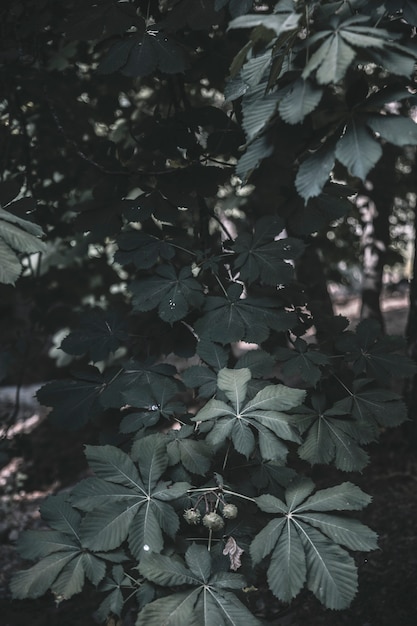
(192, 516)
(229, 511)
(213, 521)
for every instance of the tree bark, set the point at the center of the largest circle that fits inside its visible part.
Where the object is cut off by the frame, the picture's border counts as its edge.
(375, 209)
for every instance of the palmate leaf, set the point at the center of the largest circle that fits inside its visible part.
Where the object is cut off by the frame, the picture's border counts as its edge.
(126, 502)
(202, 378)
(374, 353)
(74, 401)
(99, 334)
(206, 603)
(333, 435)
(331, 60)
(235, 318)
(263, 413)
(142, 249)
(141, 384)
(303, 361)
(63, 558)
(17, 236)
(261, 256)
(113, 602)
(172, 294)
(139, 55)
(357, 149)
(373, 407)
(305, 542)
(300, 100)
(338, 47)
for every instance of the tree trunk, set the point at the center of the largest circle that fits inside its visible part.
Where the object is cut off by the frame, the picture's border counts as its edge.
(410, 390)
(374, 249)
(375, 209)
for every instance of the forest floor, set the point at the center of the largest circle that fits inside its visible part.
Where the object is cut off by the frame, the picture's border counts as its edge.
(47, 462)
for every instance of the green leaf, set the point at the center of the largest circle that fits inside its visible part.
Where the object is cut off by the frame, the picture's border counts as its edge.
(314, 171)
(10, 266)
(304, 361)
(237, 423)
(298, 490)
(113, 465)
(139, 55)
(243, 438)
(256, 151)
(357, 149)
(71, 579)
(165, 571)
(265, 541)
(332, 575)
(372, 408)
(374, 353)
(177, 609)
(35, 581)
(258, 361)
(301, 552)
(258, 107)
(202, 378)
(59, 515)
(275, 398)
(212, 353)
(107, 528)
(94, 567)
(198, 560)
(17, 236)
(100, 333)
(234, 384)
(142, 249)
(247, 319)
(280, 22)
(347, 497)
(287, 571)
(332, 436)
(172, 294)
(261, 256)
(300, 100)
(73, 401)
(396, 129)
(347, 532)
(145, 533)
(92, 493)
(331, 60)
(37, 544)
(150, 454)
(194, 455)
